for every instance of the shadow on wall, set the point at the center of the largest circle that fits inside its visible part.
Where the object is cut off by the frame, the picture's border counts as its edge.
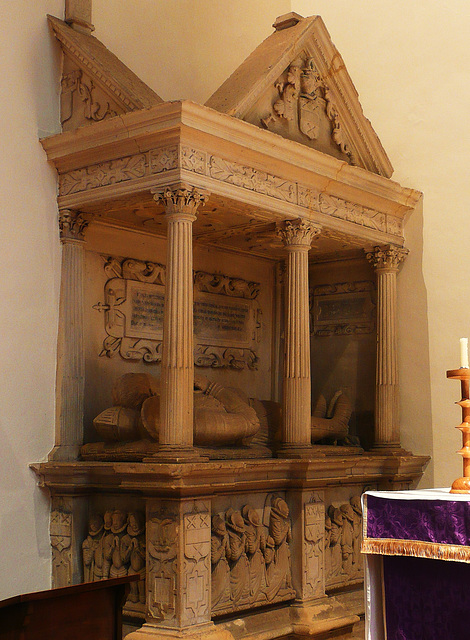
(413, 349)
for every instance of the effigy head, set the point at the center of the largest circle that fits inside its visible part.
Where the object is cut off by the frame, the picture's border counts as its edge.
(347, 512)
(119, 521)
(136, 523)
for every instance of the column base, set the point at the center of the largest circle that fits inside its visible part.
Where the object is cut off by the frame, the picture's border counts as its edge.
(207, 631)
(176, 454)
(389, 450)
(295, 451)
(322, 618)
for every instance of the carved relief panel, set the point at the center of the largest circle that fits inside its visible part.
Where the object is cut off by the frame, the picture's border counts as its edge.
(251, 554)
(61, 543)
(343, 538)
(301, 106)
(115, 547)
(227, 317)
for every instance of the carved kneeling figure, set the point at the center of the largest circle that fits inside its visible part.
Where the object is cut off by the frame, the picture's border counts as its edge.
(222, 416)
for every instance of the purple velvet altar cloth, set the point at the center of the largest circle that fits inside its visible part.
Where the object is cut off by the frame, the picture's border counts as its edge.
(437, 521)
(426, 599)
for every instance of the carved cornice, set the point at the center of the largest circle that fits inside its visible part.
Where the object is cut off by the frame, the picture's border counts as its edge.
(298, 233)
(72, 224)
(182, 201)
(386, 257)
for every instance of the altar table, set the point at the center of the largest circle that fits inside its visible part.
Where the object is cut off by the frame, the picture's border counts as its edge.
(417, 546)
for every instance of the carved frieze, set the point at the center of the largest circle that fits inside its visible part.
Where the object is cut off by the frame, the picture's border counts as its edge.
(120, 170)
(157, 161)
(252, 179)
(227, 318)
(343, 531)
(343, 308)
(251, 557)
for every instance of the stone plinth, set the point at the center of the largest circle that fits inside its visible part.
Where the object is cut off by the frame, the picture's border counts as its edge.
(222, 537)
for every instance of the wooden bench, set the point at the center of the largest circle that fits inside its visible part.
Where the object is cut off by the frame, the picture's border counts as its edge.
(92, 610)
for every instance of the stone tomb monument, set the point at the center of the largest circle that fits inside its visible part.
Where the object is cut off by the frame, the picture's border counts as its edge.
(209, 252)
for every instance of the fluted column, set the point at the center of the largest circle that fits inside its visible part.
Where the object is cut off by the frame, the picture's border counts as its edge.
(297, 237)
(177, 377)
(386, 260)
(70, 351)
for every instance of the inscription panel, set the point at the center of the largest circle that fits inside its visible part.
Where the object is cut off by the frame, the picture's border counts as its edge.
(227, 317)
(343, 308)
(144, 318)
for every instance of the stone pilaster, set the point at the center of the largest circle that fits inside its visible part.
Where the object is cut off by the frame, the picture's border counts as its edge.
(308, 548)
(70, 350)
(297, 237)
(386, 260)
(66, 530)
(178, 570)
(177, 377)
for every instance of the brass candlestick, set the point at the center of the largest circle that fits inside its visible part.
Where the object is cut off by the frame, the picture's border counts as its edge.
(462, 485)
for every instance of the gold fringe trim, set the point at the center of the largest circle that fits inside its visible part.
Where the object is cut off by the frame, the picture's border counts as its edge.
(416, 549)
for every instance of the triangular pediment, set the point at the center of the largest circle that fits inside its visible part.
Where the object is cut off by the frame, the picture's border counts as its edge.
(95, 83)
(296, 85)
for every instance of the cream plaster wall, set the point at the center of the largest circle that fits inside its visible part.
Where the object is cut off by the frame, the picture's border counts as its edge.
(184, 49)
(29, 287)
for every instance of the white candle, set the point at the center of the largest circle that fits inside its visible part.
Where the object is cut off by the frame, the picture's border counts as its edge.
(464, 353)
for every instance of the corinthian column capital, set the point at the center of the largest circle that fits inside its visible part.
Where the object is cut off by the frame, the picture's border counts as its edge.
(72, 224)
(386, 256)
(182, 200)
(298, 233)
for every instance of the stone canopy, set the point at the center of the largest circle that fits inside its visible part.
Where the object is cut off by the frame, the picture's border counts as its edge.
(305, 158)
